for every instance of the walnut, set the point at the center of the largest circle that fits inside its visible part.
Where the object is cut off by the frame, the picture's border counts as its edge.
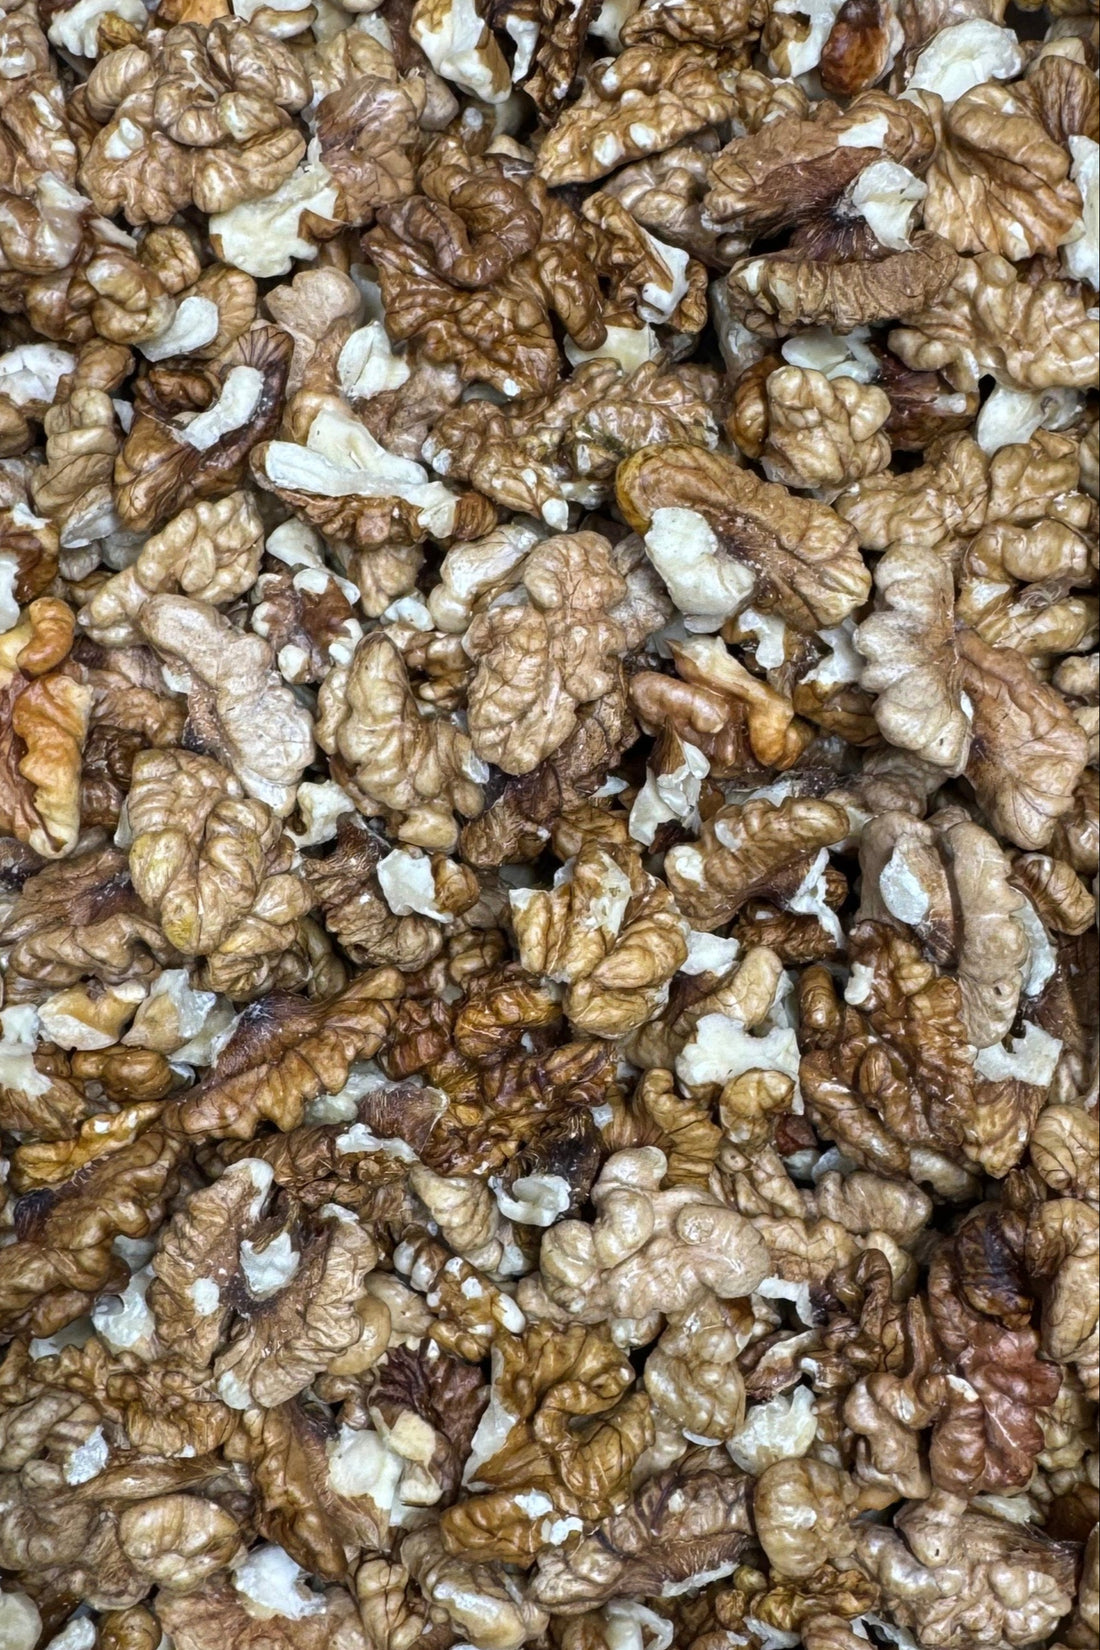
(238, 706)
(210, 552)
(47, 718)
(664, 193)
(790, 169)
(645, 99)
(539, 660)
(610, 932)
(822, 433)
(540, 455)
(777, 291)
(748, 850)
(802, 561)
(203, 117)
(418, 770)
(984, 320)
(648, 1250)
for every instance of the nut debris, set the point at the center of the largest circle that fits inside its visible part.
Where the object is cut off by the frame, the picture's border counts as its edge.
(549, 824)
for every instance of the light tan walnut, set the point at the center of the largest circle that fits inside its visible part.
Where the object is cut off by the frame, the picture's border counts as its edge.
(750, 850)
(216, 868)
(610, 933)
(210, 552)
(539, 659)
(648, 1250)
(823, 433)
(417, 770)
(244, 713)
(804, 563)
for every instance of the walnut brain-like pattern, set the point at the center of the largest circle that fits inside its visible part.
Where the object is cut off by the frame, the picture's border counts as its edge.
(549, 825)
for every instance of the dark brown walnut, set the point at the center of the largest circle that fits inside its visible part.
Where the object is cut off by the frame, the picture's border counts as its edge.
(168, 460)
(689, 1520)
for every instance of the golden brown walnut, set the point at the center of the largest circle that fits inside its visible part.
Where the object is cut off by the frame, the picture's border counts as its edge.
(237, 704)
(1028, 751)
(1065, 1149)
(686, 1521)
(644, 100)
(999, 181)
(367, 132)
(665, 192)
(539, 454)
(929, 508)
(286, 1052)
(778, 291)
(691, 1375)
(562, 1423)
(803, 1512)
(539, 660)
(657, 283)
(342, 481)
(790, 169)
(196, 115)
(941, 1565)
(515, 827)
(647, 1250)
(210, 552)
(776, 737)
(73, 487)
(473, 267)
(610, 933)
(473, 1596)
(1063, 1240)
(823, 433)
(217, 1614)
(750, 850)
(416, 770)
(215, 867)
(45, 726)
(804, 561)
(984, 320)
(913, 665)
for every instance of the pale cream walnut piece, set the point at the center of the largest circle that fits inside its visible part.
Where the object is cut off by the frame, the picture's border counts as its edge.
(460, 48)
(774, 292)
(610, 932)
(471, 572)
(965, 55)
(244, 713)
(647, 1250)
(986, 321)
(758, 849)
(209, 552)
(344, 482)
(216, 868)
(804, 562)
(265, 235)
(790, 168)
(415, 770)
(822, 433)
(1081, 247)
(636, 104)
(940, 1564)
(541, 658)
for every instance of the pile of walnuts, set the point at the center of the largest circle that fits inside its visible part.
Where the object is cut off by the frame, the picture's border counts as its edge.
(549, 824)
